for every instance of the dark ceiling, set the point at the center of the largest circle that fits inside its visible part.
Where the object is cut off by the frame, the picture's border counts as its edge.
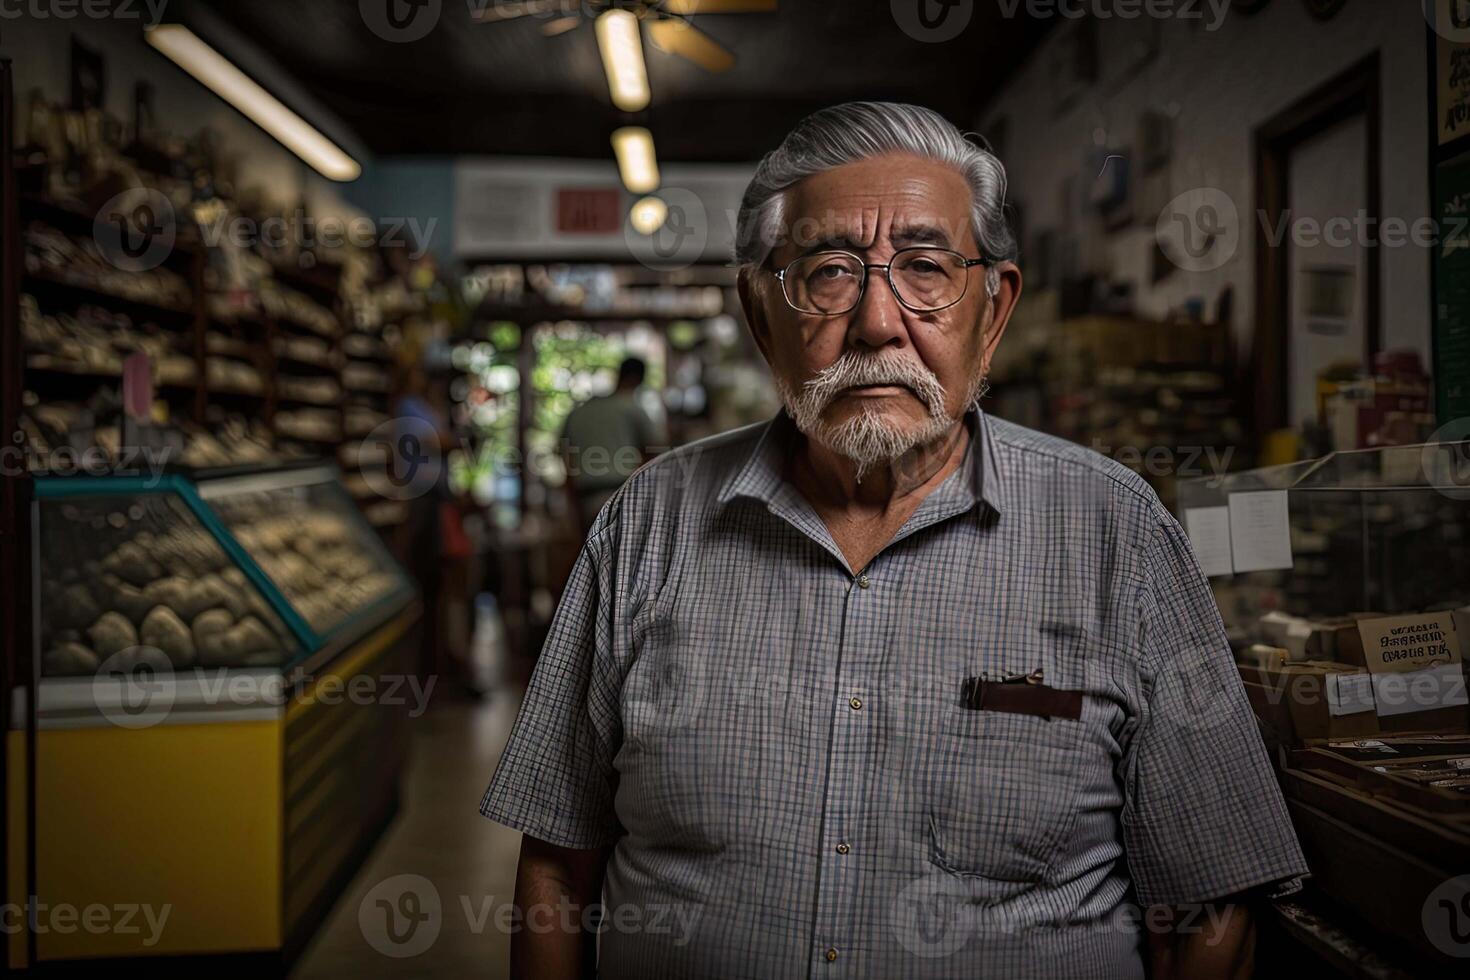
(505, 88)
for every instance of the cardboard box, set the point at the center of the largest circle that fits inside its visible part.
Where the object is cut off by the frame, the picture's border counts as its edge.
(1323, 700)
(1397, 643)
(1417, 667)
(1326, 635)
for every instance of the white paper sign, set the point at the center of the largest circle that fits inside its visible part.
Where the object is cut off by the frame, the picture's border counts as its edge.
(1405, 691)
(1260, 531)
(1349, 694)
(1209, 533)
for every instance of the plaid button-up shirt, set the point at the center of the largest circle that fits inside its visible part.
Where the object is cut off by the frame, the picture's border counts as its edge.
(779, 749)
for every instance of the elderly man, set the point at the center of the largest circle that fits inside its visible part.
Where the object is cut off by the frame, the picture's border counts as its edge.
(886, 687)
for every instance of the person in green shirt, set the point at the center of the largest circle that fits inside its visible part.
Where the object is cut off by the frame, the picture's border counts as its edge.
(604, 440)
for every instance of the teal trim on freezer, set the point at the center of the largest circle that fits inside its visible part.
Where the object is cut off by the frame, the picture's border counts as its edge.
(56, 487)
(304, 634)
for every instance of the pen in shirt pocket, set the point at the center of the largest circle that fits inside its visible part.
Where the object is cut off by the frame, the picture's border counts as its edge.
(1023, 693)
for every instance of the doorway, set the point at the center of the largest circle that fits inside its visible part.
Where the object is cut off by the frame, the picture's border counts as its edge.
(1317, 265)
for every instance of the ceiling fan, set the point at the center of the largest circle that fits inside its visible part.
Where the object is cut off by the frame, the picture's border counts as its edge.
(669, 23)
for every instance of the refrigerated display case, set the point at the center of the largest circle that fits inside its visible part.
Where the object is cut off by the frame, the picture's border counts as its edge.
(221, 660)
(1383, 530)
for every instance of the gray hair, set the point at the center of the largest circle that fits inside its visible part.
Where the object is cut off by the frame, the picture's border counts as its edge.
(855, 131)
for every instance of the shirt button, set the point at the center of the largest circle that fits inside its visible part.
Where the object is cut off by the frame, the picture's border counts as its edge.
(863, 581)
(843, 848)
(856, 703)
(831, 954)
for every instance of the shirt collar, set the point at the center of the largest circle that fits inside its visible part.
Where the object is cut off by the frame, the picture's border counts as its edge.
(761, 476)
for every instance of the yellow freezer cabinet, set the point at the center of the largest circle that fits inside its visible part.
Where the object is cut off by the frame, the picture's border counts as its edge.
(218, 734)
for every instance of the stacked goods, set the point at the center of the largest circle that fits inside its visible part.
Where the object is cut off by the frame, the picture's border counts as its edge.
(311, 553)
(132, 583)
(1360, 675)
(1155, 396)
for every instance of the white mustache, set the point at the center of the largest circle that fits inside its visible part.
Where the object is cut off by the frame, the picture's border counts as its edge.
(853, 370)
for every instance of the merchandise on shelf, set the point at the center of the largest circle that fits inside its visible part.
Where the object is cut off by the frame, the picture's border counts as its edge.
(1155, 396)
(96, 341)
(314, 390)
(134, 582)
(365, 377)
(51, 254)
(310, 424)
(298, 309)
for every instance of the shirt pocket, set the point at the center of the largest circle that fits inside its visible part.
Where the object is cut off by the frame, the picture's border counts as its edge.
(1003, 792)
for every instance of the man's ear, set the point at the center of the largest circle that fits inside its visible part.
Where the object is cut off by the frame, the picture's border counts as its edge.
(755, 311)
(1002, 305)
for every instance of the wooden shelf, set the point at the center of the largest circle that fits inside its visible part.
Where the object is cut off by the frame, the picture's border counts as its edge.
(312, 367)
(319, 281)
(72, 294)
(74, 221)
(232, 325)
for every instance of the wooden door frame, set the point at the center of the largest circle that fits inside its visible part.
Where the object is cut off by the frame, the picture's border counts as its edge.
(1355, 92)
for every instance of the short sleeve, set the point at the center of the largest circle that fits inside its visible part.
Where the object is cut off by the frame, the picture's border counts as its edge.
(649, 435)
(1203, 816)
(555, 779)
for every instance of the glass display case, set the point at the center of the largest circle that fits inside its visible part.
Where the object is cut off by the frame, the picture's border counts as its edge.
(172, 571)
(219, 653)
(1344, 583)
(306, 534)
(1385, 531)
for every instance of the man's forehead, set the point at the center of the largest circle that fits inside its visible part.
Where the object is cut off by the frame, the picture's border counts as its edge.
(896, 198)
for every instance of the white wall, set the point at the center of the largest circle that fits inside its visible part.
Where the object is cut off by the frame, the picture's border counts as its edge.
(507, 207)
(1219, 86)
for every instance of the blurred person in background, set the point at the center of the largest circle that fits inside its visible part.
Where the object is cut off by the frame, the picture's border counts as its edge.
(432, 543)
(604, 440)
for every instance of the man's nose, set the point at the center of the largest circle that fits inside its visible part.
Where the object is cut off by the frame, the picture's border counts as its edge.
(877, 321)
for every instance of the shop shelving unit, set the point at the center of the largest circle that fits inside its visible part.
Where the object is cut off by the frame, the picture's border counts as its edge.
(294, 367)
(306, 353)
(56, 292)
(370, 330)
(252, 818)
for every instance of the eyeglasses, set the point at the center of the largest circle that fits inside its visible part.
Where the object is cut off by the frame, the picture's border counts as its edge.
(924, 279)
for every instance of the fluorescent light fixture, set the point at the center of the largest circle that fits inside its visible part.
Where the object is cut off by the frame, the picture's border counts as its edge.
(633, 146)
(622, 57)
(216, 72)
(648, 215)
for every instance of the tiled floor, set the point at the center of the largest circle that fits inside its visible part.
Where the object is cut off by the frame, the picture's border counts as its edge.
(386, 923)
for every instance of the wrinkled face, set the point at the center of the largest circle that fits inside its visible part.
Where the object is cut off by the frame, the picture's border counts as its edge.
(874, 382)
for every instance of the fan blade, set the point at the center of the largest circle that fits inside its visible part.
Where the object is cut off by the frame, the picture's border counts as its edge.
(560, 26)
(690, 8)
(491, 11)
(678, 37)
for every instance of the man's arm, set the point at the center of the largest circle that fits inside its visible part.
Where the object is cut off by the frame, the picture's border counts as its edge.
(554, 888)
(1213, 942)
